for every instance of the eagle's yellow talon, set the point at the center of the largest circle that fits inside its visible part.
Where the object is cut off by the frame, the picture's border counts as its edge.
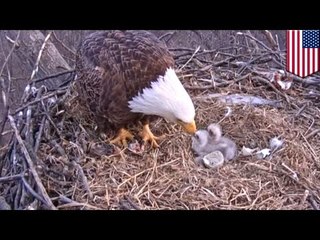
(122, 137)
(147, 135)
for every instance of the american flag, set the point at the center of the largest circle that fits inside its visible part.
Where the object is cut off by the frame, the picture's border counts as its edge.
(303, 52)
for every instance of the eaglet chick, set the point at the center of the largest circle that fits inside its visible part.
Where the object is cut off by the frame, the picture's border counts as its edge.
(210, 140)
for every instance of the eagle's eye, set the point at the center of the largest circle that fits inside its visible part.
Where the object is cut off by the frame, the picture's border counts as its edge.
(196, 136)
(211, 133)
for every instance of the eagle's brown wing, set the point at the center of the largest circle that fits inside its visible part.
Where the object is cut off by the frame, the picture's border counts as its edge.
(112, 67)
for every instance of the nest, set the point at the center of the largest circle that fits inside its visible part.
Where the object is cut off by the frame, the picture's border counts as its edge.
(56, 160)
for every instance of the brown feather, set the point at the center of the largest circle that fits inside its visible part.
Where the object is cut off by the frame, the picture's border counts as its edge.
(113, 67)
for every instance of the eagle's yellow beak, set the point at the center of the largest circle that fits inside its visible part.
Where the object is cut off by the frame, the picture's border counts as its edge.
(190, 128)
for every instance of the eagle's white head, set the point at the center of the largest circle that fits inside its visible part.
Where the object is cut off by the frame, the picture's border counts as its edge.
(167, 98)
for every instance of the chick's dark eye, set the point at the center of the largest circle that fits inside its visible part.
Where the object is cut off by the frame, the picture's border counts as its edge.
(196, 136)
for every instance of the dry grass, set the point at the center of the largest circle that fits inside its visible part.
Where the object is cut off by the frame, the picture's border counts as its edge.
(168, 178)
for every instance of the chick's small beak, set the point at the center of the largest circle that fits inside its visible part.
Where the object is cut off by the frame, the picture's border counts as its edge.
(190, 128)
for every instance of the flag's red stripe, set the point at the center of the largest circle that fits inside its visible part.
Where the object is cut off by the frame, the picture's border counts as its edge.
(304, 62)
(310, 59)
(307, 62)
(299, 53)
(315, 67)
(314, 50)
(318, 59)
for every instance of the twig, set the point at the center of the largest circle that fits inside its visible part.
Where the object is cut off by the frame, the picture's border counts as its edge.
(72, 203)
(11, 51)
(52, 76)
(17, 196)
(224, 62)
(3, 204)
(252, 61)
(255, 45)
(36, 67)
(313, 203)
(58, 147)
(315, 156)
(83, 179)
(29, 188)
(294, 174)
(229, 111)
(300, 110)
(50, 119)
(127, 204)
(4, 97)
(314, 132)
(258, 41)
(5, 104)
(63, 45)
(37, 144)
(58, 92)
(271, 40)
(24, 193)
(272, 86)
(28, 132)
(181, 49)
(31, 165)
(219, 84)
(11, 178)
(167, 34)
(195, 52)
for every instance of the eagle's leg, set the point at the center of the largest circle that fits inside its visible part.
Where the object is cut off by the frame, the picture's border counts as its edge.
(147, 135)
(122, 137)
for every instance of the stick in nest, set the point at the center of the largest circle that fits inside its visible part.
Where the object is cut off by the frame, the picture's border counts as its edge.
(57, 92)
(83, 178)
(36, 67)
(52, 76)
(31, 165)
(4, 97)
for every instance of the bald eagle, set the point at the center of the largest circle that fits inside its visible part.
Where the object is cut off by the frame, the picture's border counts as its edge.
(126, 77)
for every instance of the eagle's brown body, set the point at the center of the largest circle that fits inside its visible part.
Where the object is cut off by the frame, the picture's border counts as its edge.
(113, 67)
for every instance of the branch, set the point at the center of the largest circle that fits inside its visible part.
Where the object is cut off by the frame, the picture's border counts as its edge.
(3, 204)
(11, 178)
(5, 104)
(63, 45)
(52, 76)
(271, 40)
(31, 165)
(36, 67)
(58, 92)
(83, 178)
(195, 52)
(11, 51)
(4, 97)
(272, 86)
(33, 193)
(314, 132)
(219, 84)
(167, 34)
(253, 38)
